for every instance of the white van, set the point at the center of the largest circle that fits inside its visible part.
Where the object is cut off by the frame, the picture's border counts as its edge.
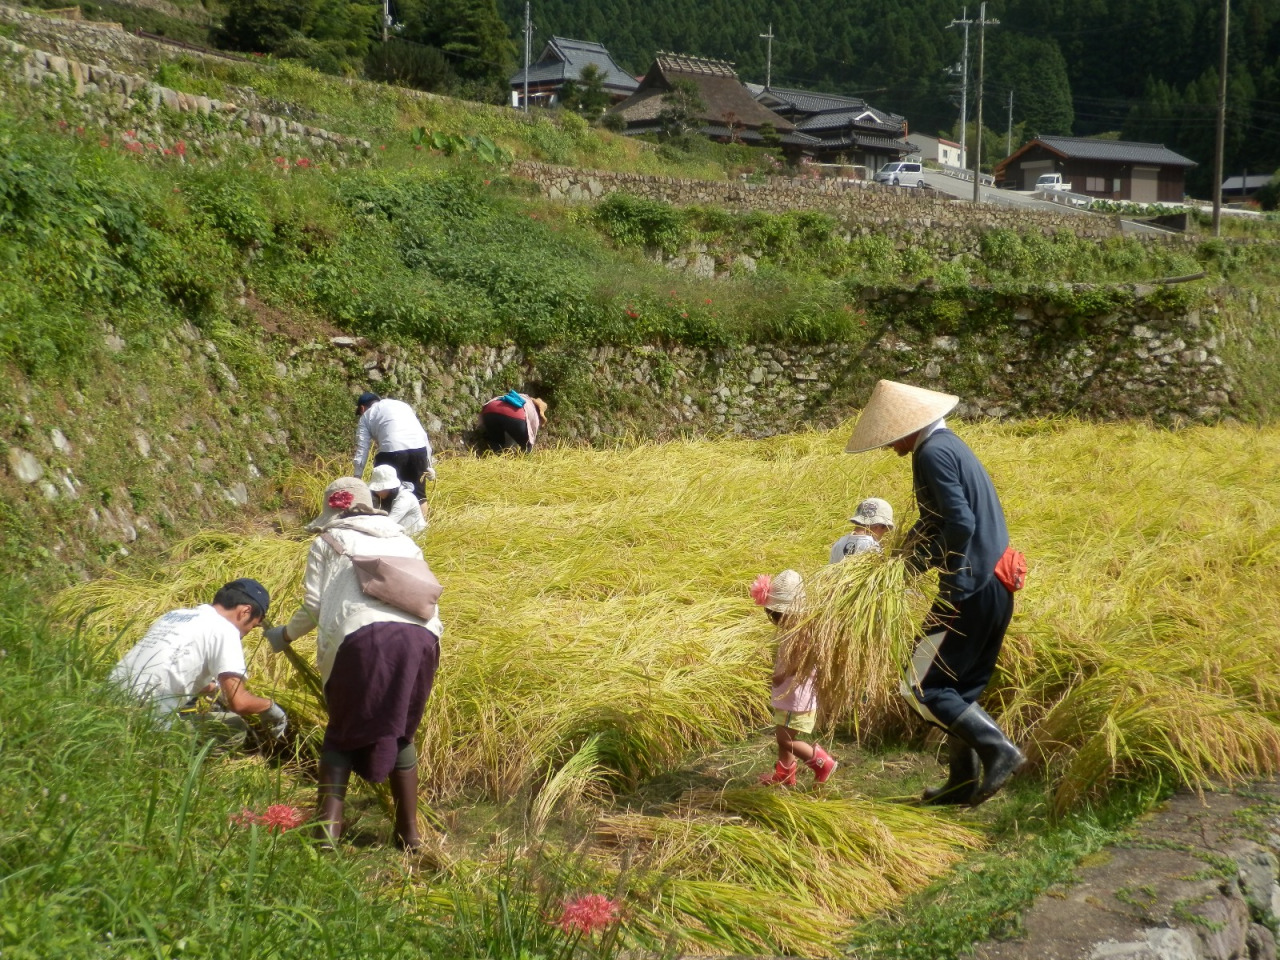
(904, 173)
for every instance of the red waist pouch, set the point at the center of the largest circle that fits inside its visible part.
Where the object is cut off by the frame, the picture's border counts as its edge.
(1011, 569)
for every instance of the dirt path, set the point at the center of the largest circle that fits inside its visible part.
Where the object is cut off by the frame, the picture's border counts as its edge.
(1196, 881)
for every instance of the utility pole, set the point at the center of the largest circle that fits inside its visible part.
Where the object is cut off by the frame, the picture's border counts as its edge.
(1219, 143)
(528, 32)
(977, 136)
(964, 78)
(768, 57)
(1008, 137)
(386, 18)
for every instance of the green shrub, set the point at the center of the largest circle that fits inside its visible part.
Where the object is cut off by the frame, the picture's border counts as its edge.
(632, 221)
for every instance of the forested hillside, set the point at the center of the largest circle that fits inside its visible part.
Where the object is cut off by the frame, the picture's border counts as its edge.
(1146, 68)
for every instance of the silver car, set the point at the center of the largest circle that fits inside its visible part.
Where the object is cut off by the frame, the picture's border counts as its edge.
(902, 173)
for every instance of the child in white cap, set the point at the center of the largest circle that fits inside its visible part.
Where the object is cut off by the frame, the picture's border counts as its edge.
(396, 498)
(794, 700)
(871, 521)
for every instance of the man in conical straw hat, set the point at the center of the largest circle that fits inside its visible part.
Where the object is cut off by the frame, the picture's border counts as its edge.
(961, 532)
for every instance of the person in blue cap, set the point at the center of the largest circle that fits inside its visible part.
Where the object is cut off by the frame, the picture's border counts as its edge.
(200, 650)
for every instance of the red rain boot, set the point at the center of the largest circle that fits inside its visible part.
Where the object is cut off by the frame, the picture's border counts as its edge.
(822, 765)
(781, 776)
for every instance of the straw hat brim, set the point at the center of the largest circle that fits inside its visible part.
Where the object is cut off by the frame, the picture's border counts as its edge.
(894, 411)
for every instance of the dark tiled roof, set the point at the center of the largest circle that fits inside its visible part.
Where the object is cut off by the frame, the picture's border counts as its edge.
(1250, 182)
(564, 59)
(868, 142)
(807, 101)
(753, 136)
(847, 118)
(1115, 151)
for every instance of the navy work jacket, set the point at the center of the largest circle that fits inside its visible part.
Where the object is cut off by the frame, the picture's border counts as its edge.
(961, 529)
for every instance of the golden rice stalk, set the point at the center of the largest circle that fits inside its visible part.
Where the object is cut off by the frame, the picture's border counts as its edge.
(1129, 722)
(580, 776)
(855, 632)
(823, 861)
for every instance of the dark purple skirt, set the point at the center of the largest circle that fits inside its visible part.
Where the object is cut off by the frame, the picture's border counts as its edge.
(377, 691)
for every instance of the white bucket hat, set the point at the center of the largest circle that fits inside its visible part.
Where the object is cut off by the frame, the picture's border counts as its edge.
(785, 591)
(871, 511)
(343, 494)
(384, 478)
(894, 411)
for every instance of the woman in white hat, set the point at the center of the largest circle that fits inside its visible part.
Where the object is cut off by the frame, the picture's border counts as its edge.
(962, 533)
(377, 661)
(397, 499)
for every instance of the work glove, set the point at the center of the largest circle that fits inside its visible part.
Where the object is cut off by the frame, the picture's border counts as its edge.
(274, 721)
(431, 474)
(276, 637)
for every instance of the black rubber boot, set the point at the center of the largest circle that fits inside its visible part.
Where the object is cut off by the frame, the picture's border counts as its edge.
(330, 800)
(962, 780)
(1000, 758)
(404, 791)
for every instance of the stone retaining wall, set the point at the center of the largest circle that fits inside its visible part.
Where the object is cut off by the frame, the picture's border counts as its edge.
(869, 206)
(109, 98)
(1035, 354)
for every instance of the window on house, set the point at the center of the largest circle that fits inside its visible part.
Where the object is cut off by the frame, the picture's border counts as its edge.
(1115, 185)
(1095, 184)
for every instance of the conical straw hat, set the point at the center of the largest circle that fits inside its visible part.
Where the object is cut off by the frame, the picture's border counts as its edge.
(895, 410)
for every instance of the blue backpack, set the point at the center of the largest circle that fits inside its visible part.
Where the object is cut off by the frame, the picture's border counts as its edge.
(514, 399)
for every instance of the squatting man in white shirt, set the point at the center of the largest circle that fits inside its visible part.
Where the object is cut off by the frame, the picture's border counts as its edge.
(401, 439)
(200, 651)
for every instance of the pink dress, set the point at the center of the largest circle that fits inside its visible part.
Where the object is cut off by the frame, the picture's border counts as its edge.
(792, 695)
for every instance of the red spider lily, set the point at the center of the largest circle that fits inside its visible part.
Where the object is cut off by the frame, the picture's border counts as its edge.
(760, 589)
(382, 146)
(280, 162)
(168, 152)
(62, 124)
(79, 131)
(342, 499)
(587, 914)
(131, 133)
(153, 146)
(280, 817)
(104, 142)
(303, 162)
(708, 301)
(632, 314)
(685, 315)
(133, 146)
(277, 818)
(180, 148)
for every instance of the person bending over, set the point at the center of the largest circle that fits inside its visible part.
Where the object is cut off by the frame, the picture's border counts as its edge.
(197, 651)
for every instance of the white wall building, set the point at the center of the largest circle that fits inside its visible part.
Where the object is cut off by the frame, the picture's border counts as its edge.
(943, 152)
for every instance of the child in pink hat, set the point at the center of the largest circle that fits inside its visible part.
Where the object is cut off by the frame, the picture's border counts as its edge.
(794, 700)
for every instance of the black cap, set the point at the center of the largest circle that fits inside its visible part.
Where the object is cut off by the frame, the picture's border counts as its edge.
(367, 399)
(252, 591)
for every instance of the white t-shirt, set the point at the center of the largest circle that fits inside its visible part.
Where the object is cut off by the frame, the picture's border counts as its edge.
(393, 426)
(182, 653)
(852, 544)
